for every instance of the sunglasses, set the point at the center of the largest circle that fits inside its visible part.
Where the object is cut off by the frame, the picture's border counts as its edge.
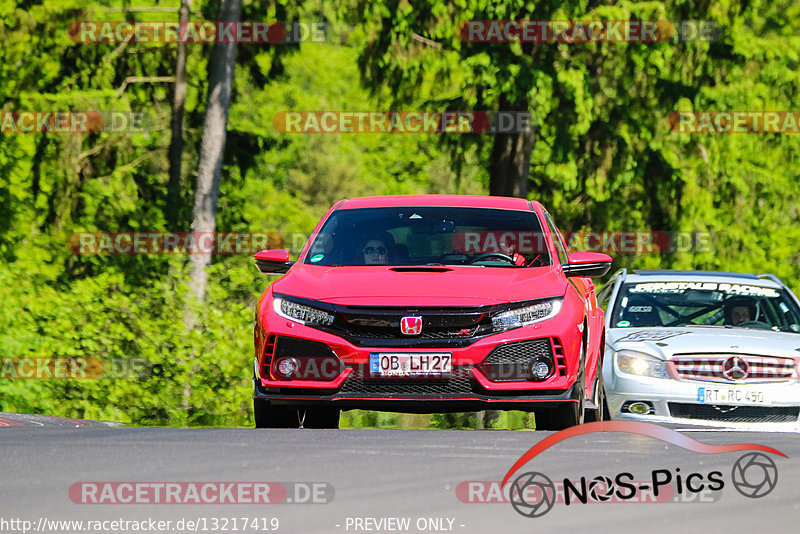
(375, 250)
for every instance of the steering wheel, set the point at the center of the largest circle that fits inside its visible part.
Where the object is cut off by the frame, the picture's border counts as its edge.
(488, 255)
(755, 324)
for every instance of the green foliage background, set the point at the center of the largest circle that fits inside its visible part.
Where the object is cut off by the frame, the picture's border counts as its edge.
(603, 159)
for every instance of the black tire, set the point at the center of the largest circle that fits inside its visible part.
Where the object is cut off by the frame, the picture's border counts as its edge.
(600, 413)
(565, 416)
(321, 418)
(568, 414)
(268, 415)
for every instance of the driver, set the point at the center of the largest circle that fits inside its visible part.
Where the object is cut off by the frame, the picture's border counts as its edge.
(739, 310)
(377, 249)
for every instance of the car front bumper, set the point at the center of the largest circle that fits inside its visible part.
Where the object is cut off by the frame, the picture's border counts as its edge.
(425, 401)
(466, 389)
(682, 403)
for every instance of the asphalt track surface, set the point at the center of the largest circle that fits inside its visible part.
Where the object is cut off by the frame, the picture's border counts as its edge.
(378, 474)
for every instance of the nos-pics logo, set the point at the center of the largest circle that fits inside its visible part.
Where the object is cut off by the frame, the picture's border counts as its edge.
(533, 494)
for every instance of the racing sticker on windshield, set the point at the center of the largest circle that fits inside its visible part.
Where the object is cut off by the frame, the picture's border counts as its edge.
(650, 335)
(680, 287)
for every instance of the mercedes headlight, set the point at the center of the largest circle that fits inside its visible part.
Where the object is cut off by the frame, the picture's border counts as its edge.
(301, 313)
(526, 315)
(640, 364)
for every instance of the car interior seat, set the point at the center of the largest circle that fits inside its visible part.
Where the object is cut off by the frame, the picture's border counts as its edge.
(401, 254)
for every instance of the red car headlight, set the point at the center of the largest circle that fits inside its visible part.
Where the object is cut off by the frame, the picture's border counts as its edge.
(526, 315)
(301, 313)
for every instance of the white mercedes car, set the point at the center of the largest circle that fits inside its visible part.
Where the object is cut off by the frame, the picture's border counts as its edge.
(702, 348)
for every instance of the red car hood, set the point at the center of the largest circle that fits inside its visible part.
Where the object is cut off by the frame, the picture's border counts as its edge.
(404, 286)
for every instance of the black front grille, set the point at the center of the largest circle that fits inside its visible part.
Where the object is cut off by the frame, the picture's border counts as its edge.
(301, 348)
(393, 332)
(408, 387)
(362, 382)
(734, 414)
(520, 352)
(441, 327)
(363, 371)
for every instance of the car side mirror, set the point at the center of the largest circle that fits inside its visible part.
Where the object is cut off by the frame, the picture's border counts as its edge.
(274, 261)
(589, 264)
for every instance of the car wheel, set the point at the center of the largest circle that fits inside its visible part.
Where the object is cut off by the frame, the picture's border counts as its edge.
(321, 418)
(600, 412)
(269, 415)
(568, 414)
(565, 416)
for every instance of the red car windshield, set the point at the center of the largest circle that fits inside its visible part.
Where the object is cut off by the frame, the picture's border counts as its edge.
(430, 236)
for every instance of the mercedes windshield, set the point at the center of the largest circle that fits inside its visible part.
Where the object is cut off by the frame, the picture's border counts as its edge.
(707, 303)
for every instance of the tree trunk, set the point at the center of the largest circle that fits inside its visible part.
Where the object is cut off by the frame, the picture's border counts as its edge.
(212, 149)
(510, 159)
(178, 108)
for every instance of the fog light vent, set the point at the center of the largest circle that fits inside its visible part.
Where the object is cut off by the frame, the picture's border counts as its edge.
(638, 408)
(540, 368)
(286, 367)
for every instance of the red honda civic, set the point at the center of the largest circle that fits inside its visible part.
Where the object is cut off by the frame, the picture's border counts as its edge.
(430, 303)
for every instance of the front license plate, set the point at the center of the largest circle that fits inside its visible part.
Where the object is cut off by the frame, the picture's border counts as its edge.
(411, 364)
(731, 396)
